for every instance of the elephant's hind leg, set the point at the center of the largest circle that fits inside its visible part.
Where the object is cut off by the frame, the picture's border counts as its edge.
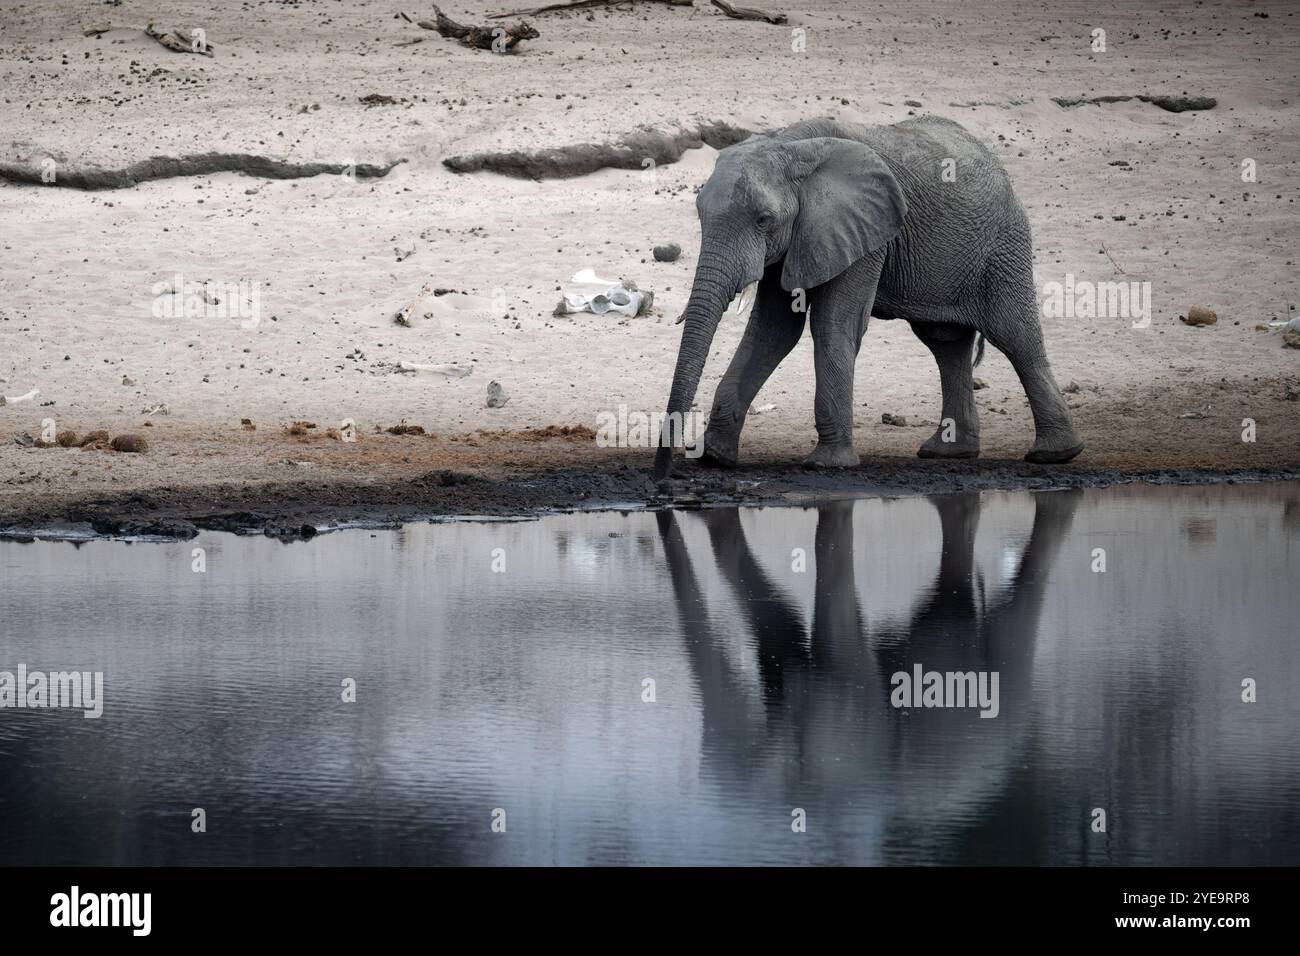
(1013, 327)
(773, 331)
(958, 434)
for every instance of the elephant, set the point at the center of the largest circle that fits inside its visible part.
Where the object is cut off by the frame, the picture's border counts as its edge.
(840, 222)
(812, 719)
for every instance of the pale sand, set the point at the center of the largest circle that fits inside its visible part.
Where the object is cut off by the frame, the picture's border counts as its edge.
(78, 268)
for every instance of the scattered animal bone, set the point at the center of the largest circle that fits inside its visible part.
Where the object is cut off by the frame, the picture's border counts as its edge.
(16, 399)
(449, 369)
(497, 39)
(403, 318)
(178, 42)
(159, 408)
(581, 5)
(749, 13)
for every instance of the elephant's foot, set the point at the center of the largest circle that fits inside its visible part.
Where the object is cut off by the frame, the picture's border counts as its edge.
(1054, 449)
(837, 455)
(965, 446)
(721, 451)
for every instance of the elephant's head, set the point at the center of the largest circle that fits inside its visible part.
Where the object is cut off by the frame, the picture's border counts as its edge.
(819, 204)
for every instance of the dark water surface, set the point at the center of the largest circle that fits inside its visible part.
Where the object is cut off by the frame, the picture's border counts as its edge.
(771, 636)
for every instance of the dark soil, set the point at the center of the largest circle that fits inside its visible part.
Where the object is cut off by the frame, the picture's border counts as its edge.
(302, 509)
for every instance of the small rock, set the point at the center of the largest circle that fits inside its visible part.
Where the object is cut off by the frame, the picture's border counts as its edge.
(1293, 393)
(978, 383)
(911, 102)
(496, 395)
(127, 380)
(132, 444)
(669, 252)
(1199, 315)
(24, 439)
(1076, 387)
(899, 421)
(247, 425)
(1291, 339)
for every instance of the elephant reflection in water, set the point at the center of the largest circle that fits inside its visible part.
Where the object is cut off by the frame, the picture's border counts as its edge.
(819, 725)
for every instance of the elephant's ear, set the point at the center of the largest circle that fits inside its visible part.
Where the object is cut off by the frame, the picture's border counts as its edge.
(850, 204)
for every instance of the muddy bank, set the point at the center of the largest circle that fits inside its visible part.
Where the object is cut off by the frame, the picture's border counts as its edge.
(51, 172)
(300, 510)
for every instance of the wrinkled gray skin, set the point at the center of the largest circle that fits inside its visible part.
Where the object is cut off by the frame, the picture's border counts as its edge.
(861, 219)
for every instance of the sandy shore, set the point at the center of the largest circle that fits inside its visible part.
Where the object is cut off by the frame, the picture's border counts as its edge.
(1123, 191)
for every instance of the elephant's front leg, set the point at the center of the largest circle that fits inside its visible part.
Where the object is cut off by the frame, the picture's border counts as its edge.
(774, 329)
(840, 310)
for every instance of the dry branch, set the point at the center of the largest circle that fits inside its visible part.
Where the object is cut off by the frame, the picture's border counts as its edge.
(178, 42)
(582, 5)
(749, 13)
(497, 39)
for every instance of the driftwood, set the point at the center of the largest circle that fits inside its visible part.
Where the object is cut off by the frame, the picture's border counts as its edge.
(497, 39)
(582, 5)
(178, 42)
(749, 13)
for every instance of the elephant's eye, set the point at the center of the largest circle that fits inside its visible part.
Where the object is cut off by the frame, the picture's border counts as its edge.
(764, 220)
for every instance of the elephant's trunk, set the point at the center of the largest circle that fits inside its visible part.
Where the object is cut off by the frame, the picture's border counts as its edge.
(713, 289)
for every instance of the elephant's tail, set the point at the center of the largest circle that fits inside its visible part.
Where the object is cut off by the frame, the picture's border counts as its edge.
(979, 349)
